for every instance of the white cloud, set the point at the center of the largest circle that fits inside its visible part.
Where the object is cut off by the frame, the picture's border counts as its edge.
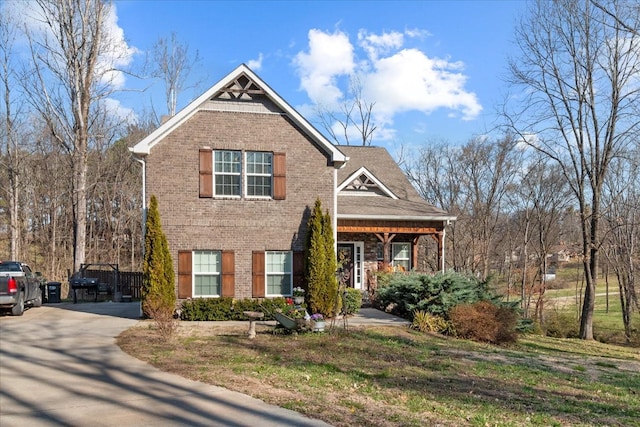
(115, 108)
(396, 78)
(410, 80)
(329, 56)
(256, 64)
(115, 56)
(376, 45)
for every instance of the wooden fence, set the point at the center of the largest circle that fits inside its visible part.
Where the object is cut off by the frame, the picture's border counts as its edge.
(130, 282)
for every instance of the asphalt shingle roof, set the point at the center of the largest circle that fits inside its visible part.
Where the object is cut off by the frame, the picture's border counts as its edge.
(377, 160)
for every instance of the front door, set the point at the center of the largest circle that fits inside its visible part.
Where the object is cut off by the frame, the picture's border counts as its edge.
(346, 263)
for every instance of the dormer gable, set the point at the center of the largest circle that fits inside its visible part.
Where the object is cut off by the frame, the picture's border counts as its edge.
(363, 183)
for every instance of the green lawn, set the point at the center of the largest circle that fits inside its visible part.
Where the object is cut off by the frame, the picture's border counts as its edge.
(394, 376)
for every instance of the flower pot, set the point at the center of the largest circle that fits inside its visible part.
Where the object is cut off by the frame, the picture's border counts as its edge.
(298, 300)
(319, 326)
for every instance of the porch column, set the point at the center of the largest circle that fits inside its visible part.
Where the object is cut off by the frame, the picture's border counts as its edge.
(386, 239)
(441, 251)
(439, 238)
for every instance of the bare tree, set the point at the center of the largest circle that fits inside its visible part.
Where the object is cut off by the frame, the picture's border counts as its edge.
(12, 159)
(172, 63)
(470, 182)
(579, 69)
(354, 113)
(622, 242)
(73, 57)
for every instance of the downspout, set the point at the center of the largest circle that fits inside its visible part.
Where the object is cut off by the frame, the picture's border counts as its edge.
(144, 210)
(144, 197)
(335, 211)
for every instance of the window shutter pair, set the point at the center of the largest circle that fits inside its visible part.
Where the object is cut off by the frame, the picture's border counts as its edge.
(279, 175)
(258, 272)
(185, 285)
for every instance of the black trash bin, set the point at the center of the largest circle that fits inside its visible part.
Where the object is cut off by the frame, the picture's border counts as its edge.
(43, 292)
(53, 292)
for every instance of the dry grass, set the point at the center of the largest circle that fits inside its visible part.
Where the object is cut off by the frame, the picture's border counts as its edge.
(394, 376)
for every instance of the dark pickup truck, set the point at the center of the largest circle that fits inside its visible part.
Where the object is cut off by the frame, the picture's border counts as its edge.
(18, 287)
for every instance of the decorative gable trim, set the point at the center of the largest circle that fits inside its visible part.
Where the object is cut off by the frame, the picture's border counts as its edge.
(363, 178)
(240, 84)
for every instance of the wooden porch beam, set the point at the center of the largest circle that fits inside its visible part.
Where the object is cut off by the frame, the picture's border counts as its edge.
(378, 229)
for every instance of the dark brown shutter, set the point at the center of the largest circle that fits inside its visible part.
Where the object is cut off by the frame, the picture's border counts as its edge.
(279, 176)
(298, 269)
(184, 274)
(206, 173)
(257, 268)
(228, 274)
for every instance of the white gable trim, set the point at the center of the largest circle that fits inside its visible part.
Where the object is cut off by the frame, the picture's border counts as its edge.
(144, 147)
(364, 171)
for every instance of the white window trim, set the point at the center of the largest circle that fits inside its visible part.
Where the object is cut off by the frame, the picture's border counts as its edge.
(239, 174)
(394, 260)
(200, 273)
(246, 176)
(267, 274)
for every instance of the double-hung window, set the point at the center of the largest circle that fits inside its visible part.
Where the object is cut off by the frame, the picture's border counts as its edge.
(279, 272)
(259, 172)
(401, 255)
(227, 173)
(206, 273)
(240, 174)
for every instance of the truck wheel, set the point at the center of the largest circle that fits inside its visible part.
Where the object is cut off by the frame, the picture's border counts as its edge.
(18, 309)
(37, 301)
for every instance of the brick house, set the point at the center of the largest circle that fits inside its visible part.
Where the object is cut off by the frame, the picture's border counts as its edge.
(236, 174)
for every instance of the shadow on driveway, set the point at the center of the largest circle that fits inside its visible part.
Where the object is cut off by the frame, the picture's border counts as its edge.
(60, 366)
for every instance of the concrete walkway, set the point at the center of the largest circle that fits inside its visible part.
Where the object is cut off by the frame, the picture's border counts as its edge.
(60, 366)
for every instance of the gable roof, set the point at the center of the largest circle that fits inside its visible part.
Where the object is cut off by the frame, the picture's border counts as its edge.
(237, 84)
(408, 205)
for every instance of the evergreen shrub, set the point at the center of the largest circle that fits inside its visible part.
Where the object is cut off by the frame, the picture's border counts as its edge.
(558, 324)
(158, 292)
(225, 308)
(352, 300)
(437, 294)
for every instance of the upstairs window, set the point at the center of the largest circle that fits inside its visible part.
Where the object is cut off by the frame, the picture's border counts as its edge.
(238, 174)
(227, 172)
(259, 171)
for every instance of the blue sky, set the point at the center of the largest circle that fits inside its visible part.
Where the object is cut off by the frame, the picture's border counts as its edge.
(433, 68)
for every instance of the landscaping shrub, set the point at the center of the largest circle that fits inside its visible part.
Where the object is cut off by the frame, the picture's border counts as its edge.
(436, 294)
(352, 300)
(484, 321)
(559, 324)
(218, 309)
(320, 263)
(158, 293)
(424, 321)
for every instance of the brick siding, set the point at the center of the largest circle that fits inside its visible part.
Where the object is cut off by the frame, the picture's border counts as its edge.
(240, 225)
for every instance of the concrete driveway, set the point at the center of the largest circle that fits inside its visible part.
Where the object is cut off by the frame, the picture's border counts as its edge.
(60, 366)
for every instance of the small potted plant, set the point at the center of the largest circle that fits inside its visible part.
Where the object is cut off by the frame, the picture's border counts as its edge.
(298, 295)
(318, 322)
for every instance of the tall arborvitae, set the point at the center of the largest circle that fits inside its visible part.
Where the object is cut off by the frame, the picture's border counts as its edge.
(331, 266)
(158, 291)
(320, 262)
